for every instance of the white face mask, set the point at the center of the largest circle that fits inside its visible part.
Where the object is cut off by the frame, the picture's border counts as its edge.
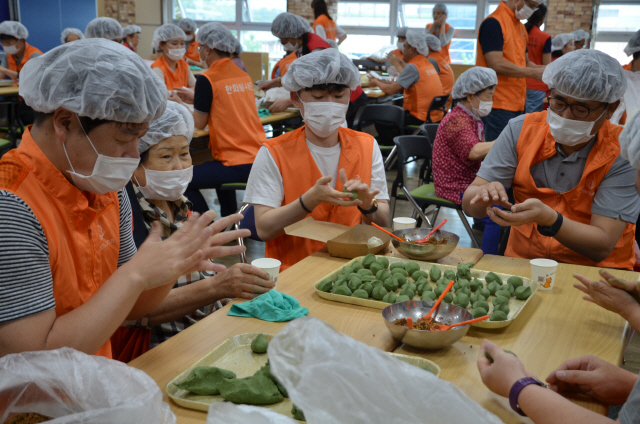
(290, 47)
(569, 132)
(483, 109)
(10, 49)
(190, 38)
(324, 118)
(176, 54)
(165, 185)
(524, 13)
(400, 45)
(109, 174)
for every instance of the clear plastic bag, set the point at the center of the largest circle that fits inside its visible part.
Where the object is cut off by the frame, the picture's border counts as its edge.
(228, 413)
(74, 387)
(333, 378)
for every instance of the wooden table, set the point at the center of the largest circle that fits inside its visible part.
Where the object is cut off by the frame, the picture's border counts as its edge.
(9, 91)
(458, 256)
(555, 326)
(374, 92)
(265, 120)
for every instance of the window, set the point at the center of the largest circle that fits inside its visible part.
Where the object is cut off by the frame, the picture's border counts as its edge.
(363, 14)
(418, 15)
(615, 50)
(357, 45)
(619, 18)
(463, 51)
(205, 10)
(264, 11)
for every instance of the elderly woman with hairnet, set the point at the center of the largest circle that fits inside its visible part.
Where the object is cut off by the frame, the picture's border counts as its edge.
(575, 201)
(156, 193)
(441, 29)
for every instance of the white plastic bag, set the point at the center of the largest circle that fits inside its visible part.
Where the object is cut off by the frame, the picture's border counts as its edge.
(335, 379)
(380, 55)
(74, 387)
(229, 413)
(274, 94)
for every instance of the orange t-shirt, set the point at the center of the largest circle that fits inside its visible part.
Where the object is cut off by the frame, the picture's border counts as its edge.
(14, 66)
(192, 52)
(535, 47)
(329, 26)
(418, 97)
(173, 79)
(235, 131)
(443, 49)
(446, 74)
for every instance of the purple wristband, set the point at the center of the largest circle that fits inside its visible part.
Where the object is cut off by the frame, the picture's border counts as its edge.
(517, 388)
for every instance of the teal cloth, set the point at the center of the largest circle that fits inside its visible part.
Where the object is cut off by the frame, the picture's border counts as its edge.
(272, 306)
(263, 113)
(195, 68)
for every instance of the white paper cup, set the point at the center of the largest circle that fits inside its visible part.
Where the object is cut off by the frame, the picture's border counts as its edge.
(543, 272)
(271, 266)
(403, 223)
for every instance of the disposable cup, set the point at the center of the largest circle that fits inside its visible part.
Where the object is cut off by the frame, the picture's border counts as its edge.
(271, 266)
(543, 272)
(403, 223)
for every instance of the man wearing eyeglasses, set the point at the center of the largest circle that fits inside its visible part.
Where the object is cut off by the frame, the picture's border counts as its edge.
(502, 46)
(575, 197)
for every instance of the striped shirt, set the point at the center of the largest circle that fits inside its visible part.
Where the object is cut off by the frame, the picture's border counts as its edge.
(26, 283)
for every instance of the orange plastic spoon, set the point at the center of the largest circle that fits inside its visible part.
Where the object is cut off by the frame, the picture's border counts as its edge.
(444, 327)
(426, 239)
(435, 305)
(391, 234)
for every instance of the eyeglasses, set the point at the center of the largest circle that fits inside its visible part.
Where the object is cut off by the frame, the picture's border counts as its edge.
(578, 111)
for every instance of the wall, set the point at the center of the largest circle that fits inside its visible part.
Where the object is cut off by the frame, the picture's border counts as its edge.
(303, 8)
(147, 14)
(568, 15)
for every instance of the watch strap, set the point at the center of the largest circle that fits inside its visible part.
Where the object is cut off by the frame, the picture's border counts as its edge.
(553, 229)
(517, 387)
(374, 208)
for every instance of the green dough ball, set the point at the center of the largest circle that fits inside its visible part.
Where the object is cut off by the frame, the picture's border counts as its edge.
(504, 307)
(406, 291)
(481, 304)
(338, 276)
(375, 267)
(464, 270)
(461, 300)
(354, 193)
(266, 370)
(356, 266)
(375, 283)
(442, 282)
(484, 292)
(478, 312)
(492, 277)
(401, 278)
(422, 280)
(418, 275)
(503, 292)
(354, 284)
(411, 267)
(368, 278)
(256, 390)
(499, 300)
(476, 298)
(429, 296)
(363, 271)
(449, 275)
(400, 271)
(438, 290)
(475, 285)
(342, 290)
(413, 286)
(465, 290)
(368, 287)
(342, 282)
(427, 287)
(448, 298)
(402, 298)
(204, 380)
(383, 274)
(396, 265)
(325, 285)
(297, 414)
(383, 261)
(419, 289)
(523, 293)
(510, 288)
(259, 344)
(346, 270)
(493, 287)
(389, 298)
(362, 294)
(515, 281)
(391, 284)
(379, 292)
(464, 284)
(368, 260)
(498, 316)
(435, 273)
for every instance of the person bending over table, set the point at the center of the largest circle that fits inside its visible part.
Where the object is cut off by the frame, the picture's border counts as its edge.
(156, 195)
(575, 198)
(104, 27)
(296, 175)
(441, 29)
(225, 101)
(418, 81)
(70, 273)
(170, 67)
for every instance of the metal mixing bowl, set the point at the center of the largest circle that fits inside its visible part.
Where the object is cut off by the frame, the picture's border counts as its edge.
(423, 339)
(424, 252)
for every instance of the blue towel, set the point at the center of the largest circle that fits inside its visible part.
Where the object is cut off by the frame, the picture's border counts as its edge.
(272, 306)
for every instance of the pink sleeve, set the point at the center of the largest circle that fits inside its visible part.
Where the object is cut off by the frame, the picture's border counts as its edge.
(463, 133)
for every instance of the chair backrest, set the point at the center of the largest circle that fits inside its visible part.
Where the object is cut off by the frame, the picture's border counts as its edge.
(455, 102)
(388, 121)
(438, 103)
(429, 130)
(412, 146)
(249, 221)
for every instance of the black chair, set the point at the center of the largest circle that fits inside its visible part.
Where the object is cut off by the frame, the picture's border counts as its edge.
(429, 130)
(425, 195)
(388, 121)
(455, 102)
(438, 104)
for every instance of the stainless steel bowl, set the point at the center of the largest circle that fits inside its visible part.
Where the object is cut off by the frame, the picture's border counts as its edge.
(423, 339)
(424, 252)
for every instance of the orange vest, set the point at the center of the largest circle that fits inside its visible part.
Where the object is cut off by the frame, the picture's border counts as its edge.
(446, 74)
(511, 93)
(82, 229)
(173, 79)
(443, 49)
(192, 52)
(328, 25)
(418, 97)
(284, 64)
(535, 145)
(535, 47)
(235, 131)
(291, 154)
(29, 50)
(397, 53)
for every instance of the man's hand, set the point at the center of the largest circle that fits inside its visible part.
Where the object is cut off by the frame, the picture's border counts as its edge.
(536, 73)
(365, 195)
(531, 210)
(593, 377)
(266, 85)
(322, 192)
(611, 298)
(491, 194)
(373, 81)
(506, 369)
(280, 105)
(393, 60)
(242, 281)
(186, 94)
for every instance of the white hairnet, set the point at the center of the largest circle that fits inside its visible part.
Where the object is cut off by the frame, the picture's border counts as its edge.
(187, 24)
(130, 30)
(217, 36)
(418, 40)
(402, 32)
(633, 45)
(561, 40)
(630, 141)
(14, 29)
(587, 75)
(580, 34)
(167, 32)
(332, 43)
(69, 31)
(176, 120)
(433, 42)
(95, 78)
(442, 7)
(104, 27)
(327, 66)
(473, 81)
(288, 25)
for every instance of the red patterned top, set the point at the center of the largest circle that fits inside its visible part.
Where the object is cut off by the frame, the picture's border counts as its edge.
(453, 172)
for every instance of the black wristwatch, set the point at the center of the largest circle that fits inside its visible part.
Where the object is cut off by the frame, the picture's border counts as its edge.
(374, 208)
(553, 230)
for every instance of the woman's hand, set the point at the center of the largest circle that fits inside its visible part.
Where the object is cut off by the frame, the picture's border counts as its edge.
(185, 94)
(611, 298)
(266, 85)
(242, 281)
(506, 369)
(280, 106)
(531, 210)
(365, 195)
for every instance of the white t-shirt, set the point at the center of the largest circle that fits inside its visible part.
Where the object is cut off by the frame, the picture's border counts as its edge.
(265, 185)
